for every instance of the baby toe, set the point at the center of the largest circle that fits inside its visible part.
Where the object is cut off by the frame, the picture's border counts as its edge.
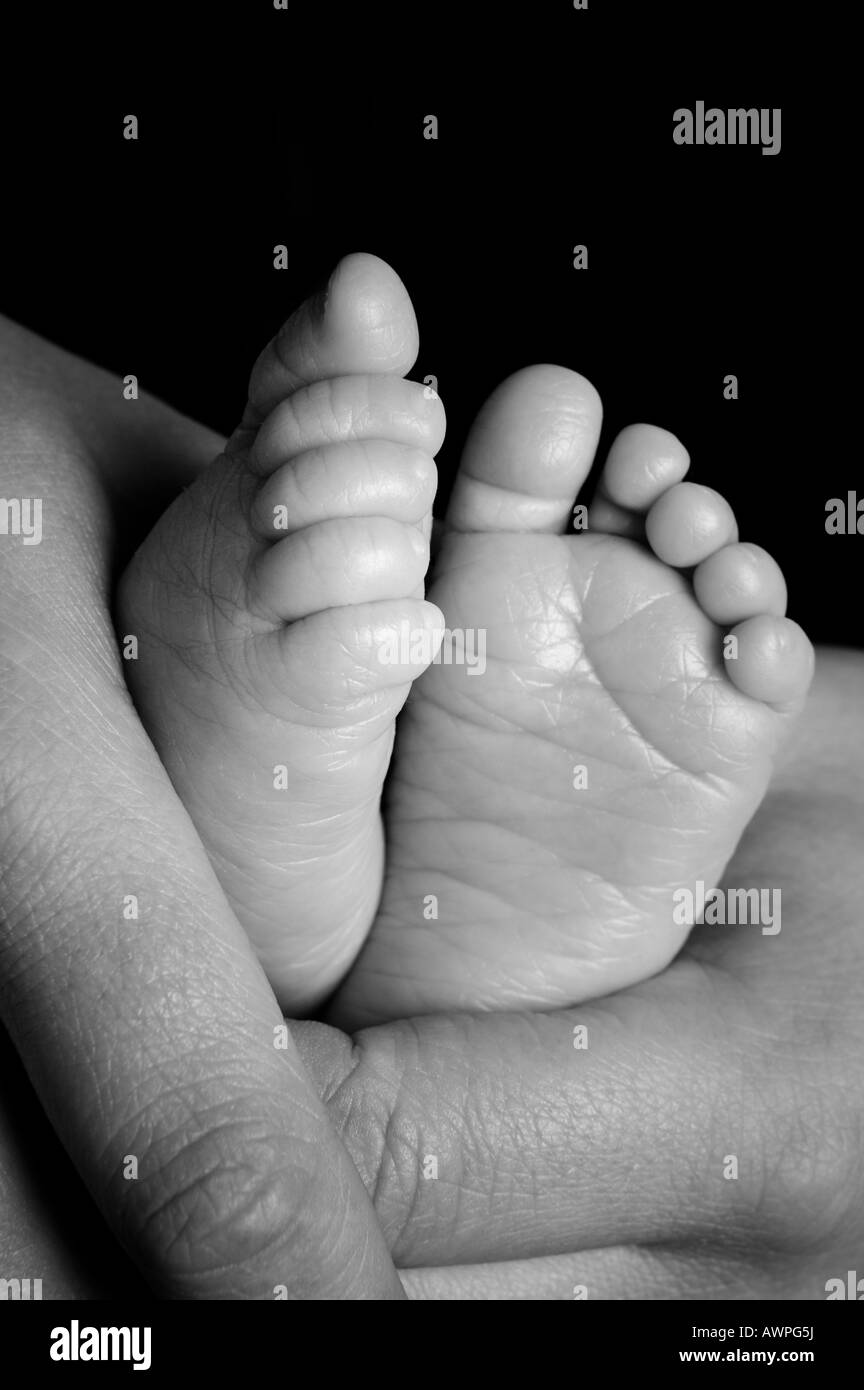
(363, 322)
(688, 523)
(643, 462)
(336, 563)
(740, 581)
(344, 409)
(527, 454)
(772, 660)
(362, 477)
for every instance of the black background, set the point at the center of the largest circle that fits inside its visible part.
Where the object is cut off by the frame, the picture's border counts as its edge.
(259, 127)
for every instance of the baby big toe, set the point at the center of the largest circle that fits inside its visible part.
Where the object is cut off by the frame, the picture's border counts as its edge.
(362, 322)
(527, 454)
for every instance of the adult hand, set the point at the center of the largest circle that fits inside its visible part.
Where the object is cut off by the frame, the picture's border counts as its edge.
(126, 984)
(610, 1169)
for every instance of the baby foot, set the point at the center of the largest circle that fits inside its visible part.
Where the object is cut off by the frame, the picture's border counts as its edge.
(261, 602)
(541, 815)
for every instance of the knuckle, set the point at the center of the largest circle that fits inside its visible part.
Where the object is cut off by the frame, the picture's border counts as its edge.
(386, 1114)
(218, 1210)
(368, 1111)
(810, 1182)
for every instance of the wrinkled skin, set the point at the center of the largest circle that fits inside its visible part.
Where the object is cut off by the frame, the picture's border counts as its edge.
(548, 895)
(556, 1166)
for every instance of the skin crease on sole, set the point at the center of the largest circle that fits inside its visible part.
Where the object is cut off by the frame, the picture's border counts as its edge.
(540, 816)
